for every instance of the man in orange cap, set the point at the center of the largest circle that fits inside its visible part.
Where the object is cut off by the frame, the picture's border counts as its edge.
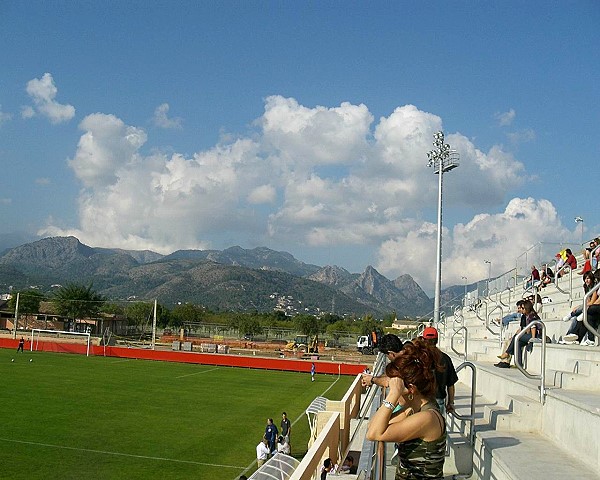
(446, 379)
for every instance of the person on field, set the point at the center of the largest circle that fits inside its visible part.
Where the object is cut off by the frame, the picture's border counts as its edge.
(262, 452)
(271, 434)
(313, 370)
(286, 426)
(21, 345)
(283, 445)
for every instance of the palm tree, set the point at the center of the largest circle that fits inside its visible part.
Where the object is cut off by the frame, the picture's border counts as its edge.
(77, 301)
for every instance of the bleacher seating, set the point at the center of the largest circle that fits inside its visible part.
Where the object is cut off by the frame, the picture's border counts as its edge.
(517, 435)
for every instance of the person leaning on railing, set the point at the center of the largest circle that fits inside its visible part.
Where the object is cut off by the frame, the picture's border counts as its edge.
(391, 346)
(419, 429)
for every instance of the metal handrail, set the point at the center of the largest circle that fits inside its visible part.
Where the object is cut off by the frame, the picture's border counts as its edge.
(487, 319)
(542, 375)
(465, 338)
(500, 302)
(371, 455)
(483, 302)
(471, 417)
(587, 324)
(556, 279)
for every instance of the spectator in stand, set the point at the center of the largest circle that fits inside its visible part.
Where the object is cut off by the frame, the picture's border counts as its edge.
(271, 434)
(348, 466)
(326, 468)
(591, 256)
(534, 279)
(420, 429)
(569, 261)
(547, 276)
(444, 379)
(561, 258)
(532, 332)
(576, 315)
(262, 452)
(512, 317)
(536, 300)
(593, 317)
(391, 346)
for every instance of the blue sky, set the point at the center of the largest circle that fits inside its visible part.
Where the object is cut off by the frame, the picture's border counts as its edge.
(302, 126)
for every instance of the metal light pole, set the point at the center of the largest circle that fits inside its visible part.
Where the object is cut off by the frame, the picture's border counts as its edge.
(489, 275)
(442, 159)
(580, 220)
(465, 298)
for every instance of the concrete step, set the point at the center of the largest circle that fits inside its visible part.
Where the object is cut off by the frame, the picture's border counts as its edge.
(509, 455)
(523, 414)
(568, 418)
(584, 378)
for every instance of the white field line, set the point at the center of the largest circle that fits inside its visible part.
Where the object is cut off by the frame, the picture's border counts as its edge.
(121, 361)
(293, 423)
(198, 373)
(104, 452)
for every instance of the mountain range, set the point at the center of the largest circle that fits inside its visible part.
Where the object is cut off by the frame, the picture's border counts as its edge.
(232, 279)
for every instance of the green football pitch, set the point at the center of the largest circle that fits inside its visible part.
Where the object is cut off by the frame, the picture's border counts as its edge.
(75, 417)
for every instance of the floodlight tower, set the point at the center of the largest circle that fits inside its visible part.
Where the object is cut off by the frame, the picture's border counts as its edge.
(442, 159)
(580, 220)
(489, 275)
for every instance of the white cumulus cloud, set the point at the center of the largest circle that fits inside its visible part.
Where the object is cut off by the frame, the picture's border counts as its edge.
(499, 238)
(505, 118)
(43, 92)
(161, 117)
(305, 176)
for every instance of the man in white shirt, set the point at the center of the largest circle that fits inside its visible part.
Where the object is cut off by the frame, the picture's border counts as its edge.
(262, 452)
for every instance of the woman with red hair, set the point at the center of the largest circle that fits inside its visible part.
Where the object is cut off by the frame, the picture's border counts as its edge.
(419, 429)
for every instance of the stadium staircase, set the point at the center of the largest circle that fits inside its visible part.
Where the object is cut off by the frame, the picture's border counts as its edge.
(519, 432)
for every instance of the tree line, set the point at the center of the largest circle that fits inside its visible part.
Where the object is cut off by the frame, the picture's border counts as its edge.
(75, 301)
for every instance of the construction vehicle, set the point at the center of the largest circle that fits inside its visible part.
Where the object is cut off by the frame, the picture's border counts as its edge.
(302, 344)
(368, 343)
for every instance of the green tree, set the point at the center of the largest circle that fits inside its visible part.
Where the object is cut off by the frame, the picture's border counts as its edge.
(330, 318)
(77, 301)
(337, 329)
(369, 324)
(139, 313)
(186, 313)
(250, 326)
(308, 325)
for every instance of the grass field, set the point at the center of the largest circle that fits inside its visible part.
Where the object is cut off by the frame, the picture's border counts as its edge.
(75, 417)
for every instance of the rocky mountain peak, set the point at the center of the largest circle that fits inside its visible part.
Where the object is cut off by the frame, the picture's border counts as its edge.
(332, 275)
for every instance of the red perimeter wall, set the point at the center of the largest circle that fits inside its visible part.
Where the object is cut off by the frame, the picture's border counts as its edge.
(294, 365)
